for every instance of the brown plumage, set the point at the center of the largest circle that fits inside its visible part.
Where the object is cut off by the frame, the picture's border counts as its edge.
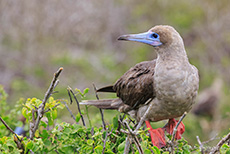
(134, 88)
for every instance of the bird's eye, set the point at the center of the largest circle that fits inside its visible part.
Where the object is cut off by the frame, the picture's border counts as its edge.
(155, 35)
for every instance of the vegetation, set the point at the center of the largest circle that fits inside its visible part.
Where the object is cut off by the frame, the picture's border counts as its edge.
(36, 38)
(52, 135)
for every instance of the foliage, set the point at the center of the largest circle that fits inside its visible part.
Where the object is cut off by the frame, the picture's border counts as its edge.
(55, 136)
(36, 38)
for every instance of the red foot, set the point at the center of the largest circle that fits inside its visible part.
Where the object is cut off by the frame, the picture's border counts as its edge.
(157, 135)
(170, 126)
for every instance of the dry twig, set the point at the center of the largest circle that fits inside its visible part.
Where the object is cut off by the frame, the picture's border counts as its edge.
(127, 144)
(174, 133)
(52, 108)
(220, 143)
(175, 128)
(78, 106)
(69, 110)
(144, 117)
(201, 145)
(40, 111)
(101, 111)
(16, 138)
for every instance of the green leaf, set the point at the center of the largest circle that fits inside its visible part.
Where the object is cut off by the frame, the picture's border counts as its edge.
(54, 114)
(115, 122)
(147, 151)
(156, 150)
(24, 112)
(90, 142)
(44, 124)
(109, 152)
(67, 131)
(78, 117)
(225, 146)
(47, 142)
(50, 118)
(86, 91)
(29, 145)
(98, 148)
(44, 134)
(121, 147)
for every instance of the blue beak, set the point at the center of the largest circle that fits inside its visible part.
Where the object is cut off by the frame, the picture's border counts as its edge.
(147, 38)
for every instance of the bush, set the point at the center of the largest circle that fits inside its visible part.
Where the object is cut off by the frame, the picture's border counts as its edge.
(55, 136)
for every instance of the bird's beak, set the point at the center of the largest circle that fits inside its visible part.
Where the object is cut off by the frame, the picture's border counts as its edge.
(143, 38)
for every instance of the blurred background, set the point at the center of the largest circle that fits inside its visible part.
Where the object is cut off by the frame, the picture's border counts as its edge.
(38, 37)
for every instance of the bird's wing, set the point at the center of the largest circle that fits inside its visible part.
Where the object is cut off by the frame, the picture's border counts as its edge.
(106, 89)
(136, 87)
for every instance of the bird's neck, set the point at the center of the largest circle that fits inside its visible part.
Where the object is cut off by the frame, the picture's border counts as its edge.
(172, 55)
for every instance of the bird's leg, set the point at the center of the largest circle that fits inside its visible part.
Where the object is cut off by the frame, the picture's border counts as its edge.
(169, 127)
(157, 135)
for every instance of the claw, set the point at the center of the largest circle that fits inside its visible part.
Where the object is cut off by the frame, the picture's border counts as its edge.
(169, 127)
(157, 135)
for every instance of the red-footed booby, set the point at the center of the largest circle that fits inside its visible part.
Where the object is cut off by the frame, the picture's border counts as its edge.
(169, 83)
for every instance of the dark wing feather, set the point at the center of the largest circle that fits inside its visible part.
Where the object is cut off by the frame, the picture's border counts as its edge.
(135, 87)
(106, 89)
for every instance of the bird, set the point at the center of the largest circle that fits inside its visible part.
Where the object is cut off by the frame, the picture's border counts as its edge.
(168, 83)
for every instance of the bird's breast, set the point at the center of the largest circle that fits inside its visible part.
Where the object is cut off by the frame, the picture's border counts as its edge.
(175, 84)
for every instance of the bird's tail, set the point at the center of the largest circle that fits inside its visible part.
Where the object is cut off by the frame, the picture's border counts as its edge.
(104, 103)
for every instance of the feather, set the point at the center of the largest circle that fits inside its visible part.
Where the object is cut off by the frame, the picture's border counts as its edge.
(112, 104)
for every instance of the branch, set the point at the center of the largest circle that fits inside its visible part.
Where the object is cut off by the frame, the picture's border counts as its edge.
(16, 138)
(174, 132)
(8, 127)
(52, 108)
(220, 143)
(106, 135)
(144, 116)
(40, 111)
(69, 111)
(201, 145)
(101, 111)
(70, 97)
(175, 128)
(78, 106)
(127, 144)
(136, 141)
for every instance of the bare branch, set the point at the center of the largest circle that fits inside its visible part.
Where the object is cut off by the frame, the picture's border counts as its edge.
(52, 108)
(101, 111)
(171, 144)
(70, 97)
(178, 123)
(8, 127)
(16, 138)
(78, 106)
(144, 117)
(201, 145)
(34, 124)
(220, 143)
(127, 144)
(106, 135)
(135, 139)
(213, 138)
(69, 110)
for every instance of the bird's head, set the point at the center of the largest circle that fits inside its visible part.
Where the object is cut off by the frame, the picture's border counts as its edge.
(161, 36)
